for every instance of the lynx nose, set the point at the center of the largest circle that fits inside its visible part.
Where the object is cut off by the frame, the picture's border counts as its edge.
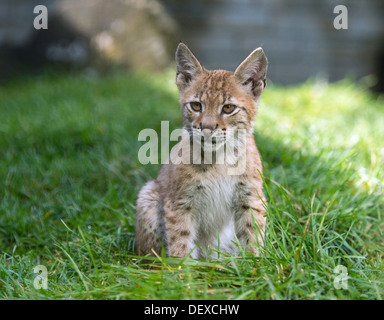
(207, 129)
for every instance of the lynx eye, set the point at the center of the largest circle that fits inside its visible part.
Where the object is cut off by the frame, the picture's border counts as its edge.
(229, 108)
(196, 106)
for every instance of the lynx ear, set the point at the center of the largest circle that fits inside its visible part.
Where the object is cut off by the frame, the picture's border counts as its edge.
(188, 67)
(252, 72)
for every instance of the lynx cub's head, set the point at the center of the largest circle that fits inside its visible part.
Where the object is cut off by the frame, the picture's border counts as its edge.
(218, 102)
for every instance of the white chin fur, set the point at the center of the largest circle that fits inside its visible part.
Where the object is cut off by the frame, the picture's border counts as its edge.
(209, 146)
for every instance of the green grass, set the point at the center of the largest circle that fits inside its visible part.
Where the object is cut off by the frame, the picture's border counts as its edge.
(69, 175)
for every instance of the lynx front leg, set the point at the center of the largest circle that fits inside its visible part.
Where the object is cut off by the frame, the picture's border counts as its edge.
(253, 226)
(250, 224)
(179, 230)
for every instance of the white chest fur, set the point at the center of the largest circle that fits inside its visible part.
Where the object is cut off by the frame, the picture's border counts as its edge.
(213, 213)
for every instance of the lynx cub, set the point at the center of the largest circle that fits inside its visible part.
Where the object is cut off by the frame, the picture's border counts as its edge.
(197, 206)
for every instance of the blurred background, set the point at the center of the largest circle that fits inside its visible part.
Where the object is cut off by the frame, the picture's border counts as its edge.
(297, 35)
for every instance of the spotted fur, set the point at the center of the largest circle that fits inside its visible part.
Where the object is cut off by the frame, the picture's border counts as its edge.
(190, 208)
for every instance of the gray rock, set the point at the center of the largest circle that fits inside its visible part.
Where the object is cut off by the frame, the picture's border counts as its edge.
(132, 34)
